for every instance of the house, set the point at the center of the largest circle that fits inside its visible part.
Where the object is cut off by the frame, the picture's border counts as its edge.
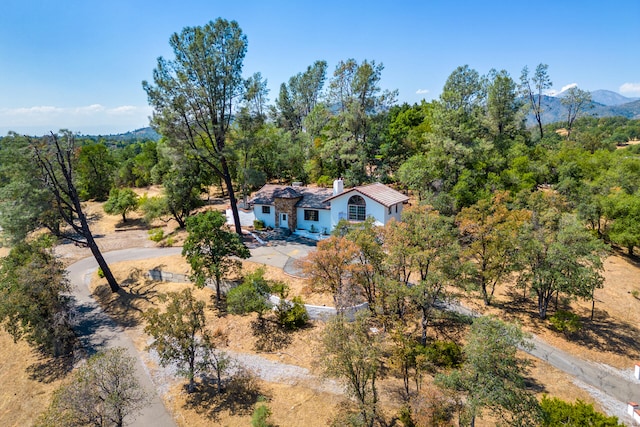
(298, 208)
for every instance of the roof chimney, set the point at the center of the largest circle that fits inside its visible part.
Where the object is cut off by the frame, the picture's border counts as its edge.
(338, 186)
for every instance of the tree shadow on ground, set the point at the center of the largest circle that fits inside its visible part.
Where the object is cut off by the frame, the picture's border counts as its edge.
(50, 369)
(603, 334)
(269, 335)
(238, 397)
(124, 308)
(131, 224)
(91, 320)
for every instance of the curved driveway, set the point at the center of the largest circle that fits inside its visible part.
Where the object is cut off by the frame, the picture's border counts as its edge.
(98, 331)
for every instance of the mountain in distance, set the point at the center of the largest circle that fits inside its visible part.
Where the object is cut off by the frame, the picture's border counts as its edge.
(142, 134)
(604, 103)
(610, 98)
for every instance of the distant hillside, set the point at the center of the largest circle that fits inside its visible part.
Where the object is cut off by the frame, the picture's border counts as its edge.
(554, 111)
(142, 134)
(609, 98)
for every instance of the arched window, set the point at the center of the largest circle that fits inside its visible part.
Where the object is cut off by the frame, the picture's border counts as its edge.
(357, 208)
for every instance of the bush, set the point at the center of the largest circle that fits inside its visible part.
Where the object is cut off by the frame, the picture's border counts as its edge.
(100, 273)
(556, 412)
(292, 314)
(258, 224)
(251, 295)
(566, 322)
(156, 234)
(444, 354)
(260, 416)
(325, 181)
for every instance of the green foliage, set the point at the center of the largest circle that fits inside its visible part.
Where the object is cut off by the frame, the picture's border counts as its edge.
(120, 202)
(211, 249)
(260, 417)
(557, 412)
(492, 376)
(558, 253)
(95, 169)
(156, 235)
(193, 95)
(25, 203)
(104, 391)
(352, 353)
(184, 185)
(258, 224)
(292, 314)
(324, 181)
(444, 354)
(34, 301)
(405, 417)
(624, 209)
(100, 273)
(179, 333)
(251, 296)
(153, 207)
(565, 322)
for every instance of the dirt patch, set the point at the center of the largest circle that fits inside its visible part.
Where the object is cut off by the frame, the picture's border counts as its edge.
(28, 386)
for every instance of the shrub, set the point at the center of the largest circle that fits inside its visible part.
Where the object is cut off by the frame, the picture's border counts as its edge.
(292, 314)
(251, 295)
(260, 416)
(444, 354)
(100, 273)
(324, 181)
(156, 234)
(556, 412)
(258, 224)
(566, 322)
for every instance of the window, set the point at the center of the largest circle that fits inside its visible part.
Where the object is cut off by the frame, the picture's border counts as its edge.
(389, 210)
(266, 209)
(356, 208)
(310, 215)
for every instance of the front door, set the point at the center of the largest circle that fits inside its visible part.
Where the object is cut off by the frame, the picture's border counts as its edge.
(284, 220)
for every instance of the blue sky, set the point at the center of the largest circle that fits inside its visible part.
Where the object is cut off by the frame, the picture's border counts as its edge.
(79, 64)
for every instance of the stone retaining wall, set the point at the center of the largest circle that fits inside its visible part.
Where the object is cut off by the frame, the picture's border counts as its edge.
(316, 312)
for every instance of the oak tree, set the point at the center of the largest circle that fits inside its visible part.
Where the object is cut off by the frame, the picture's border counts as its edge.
(211, 249)
(104, 391)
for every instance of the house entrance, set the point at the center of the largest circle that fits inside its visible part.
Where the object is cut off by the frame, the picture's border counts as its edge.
(284, 220)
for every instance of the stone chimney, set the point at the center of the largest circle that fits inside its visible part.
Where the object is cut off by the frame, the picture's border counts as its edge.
(338, 186)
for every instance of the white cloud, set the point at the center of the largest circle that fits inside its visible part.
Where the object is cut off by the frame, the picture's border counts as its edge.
(630, 89)
(569, 86)
(88, 119)
(550, 92)
(422, 91)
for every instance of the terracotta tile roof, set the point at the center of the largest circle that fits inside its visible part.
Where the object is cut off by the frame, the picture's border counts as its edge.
(382, 194)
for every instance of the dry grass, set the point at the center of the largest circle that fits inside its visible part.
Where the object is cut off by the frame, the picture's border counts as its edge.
(28, 381)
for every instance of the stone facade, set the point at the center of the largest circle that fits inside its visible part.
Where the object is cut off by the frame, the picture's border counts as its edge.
(286, 206)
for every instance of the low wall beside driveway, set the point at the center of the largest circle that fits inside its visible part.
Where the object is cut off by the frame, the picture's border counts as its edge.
(316, 312)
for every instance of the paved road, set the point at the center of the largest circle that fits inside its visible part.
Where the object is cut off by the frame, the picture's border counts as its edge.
(102, 332)
(98, 331)
(617, 389)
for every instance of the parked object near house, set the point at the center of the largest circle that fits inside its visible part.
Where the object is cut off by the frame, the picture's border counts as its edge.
(318, 210)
